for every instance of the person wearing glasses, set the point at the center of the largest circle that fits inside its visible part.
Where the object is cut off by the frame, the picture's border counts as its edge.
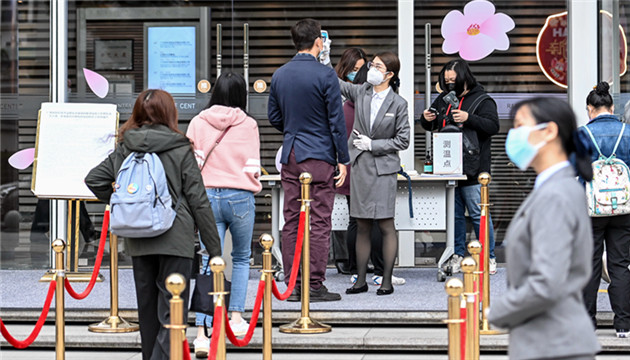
(305, 105)
(381, 129)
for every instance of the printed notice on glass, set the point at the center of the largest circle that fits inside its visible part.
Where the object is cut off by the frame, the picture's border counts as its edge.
(71, 140)
(171, 55)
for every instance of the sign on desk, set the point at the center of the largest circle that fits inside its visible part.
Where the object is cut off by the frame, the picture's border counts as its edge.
(447, 153)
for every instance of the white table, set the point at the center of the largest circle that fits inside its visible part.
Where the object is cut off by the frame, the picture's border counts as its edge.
(433, 208)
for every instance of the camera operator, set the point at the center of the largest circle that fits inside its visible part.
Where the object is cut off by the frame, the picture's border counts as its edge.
(464, 106)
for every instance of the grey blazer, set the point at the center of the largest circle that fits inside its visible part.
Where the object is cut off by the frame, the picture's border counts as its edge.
(549, 255)
(388, 137)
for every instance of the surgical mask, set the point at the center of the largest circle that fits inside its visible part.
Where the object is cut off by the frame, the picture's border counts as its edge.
(351, 76)
(518, 148)
(375, 77)
(450, 87)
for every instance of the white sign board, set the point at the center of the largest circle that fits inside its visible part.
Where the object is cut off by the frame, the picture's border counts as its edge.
(447, 153)
(71, 140)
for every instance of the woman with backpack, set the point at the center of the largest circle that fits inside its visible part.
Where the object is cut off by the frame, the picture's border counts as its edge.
(549, 240)
(152, 128)
(380, 131)
(227, 147)
(611, 137)
(464, 106)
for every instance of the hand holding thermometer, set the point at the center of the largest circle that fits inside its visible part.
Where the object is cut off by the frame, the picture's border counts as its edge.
(356, 132)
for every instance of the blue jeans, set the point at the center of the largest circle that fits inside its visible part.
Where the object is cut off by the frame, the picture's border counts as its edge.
(469, 197)
(235, 210)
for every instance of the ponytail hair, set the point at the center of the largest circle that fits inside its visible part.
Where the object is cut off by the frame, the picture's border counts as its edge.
(576, 147)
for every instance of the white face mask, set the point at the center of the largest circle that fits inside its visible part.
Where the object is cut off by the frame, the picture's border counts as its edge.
(375, 77)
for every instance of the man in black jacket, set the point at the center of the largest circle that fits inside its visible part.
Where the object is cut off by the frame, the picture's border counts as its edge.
(476, 117)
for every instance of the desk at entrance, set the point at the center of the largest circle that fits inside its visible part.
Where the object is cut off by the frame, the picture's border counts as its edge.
(433, 209)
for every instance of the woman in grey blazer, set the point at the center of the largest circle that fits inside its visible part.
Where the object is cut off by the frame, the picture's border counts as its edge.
(549, 241)
(381, 129)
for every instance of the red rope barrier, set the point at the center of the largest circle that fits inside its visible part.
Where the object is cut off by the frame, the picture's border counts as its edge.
(462, 331)
(252, 322)
(186, 350)
(296, 262)
(38, 326)
(97, 264)
(482, 240)
(216, 328)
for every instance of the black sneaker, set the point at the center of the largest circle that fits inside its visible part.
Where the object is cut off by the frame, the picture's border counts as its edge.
(623, 333)
(296, 295)
(322, 294)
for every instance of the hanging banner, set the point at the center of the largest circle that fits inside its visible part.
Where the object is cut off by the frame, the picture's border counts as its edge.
(551, 47)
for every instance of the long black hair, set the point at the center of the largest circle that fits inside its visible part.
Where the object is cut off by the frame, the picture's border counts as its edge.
(600, 97)
(230, 90)
(464, 79)
(545, 110)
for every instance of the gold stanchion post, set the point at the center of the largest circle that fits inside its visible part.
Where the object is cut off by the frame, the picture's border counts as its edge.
(454, 288)
(485, 179)
(472, 328)
(60, 276)
(176, 284)
(217, 265)
(306, 325)
(266, 241)
(114, 323)
(474, 248)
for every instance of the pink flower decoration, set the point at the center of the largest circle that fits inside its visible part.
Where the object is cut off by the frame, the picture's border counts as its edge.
(97, 83)
(477, 32)
(22, 159)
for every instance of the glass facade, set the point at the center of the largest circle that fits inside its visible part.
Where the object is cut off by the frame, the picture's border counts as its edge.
(117, 39)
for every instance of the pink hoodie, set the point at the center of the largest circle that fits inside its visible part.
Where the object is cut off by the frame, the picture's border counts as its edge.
(235, 162)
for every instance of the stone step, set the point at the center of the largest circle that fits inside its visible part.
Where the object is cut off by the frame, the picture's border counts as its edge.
(341, 338)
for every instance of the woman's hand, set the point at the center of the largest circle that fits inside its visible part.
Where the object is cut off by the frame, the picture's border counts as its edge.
(428, 115)
(460, 116)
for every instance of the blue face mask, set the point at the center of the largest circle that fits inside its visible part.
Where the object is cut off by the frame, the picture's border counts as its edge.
(518, 148)
(351, 76)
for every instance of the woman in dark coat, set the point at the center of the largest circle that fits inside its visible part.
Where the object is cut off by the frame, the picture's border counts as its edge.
(152, 127)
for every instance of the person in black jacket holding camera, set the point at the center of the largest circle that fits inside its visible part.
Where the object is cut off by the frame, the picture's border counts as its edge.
(464, 106)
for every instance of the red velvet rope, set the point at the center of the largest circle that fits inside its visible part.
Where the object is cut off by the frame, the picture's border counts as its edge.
(216, 328)
(296, 262)
(462, 329)
(38, 326)
(97, 264)
(186, 350)
(252, 322)
(482, 240)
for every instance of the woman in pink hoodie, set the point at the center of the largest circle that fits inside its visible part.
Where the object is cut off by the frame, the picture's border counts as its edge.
(227, 147)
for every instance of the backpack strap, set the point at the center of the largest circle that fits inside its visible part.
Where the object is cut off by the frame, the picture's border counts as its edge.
(623, 127)
(473, 107)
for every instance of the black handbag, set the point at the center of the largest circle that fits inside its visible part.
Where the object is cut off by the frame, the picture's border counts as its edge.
(201, 301)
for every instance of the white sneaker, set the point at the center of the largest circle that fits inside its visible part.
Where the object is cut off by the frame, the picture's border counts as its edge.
(353, 278)
(202, 347)
(378, 280)
(455, 263)
(239, 329)
(493, 266)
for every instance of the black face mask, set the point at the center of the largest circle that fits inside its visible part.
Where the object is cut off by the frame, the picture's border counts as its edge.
(450, 87)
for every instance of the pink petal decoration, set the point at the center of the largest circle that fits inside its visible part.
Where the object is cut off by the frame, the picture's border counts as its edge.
(97, 83)
(477, 32)
(22, 159)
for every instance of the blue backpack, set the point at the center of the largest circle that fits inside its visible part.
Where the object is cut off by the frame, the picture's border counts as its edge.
(141, 205)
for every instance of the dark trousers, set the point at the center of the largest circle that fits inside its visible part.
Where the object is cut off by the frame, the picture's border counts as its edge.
(150, 273)
(614, 231)
(323, 197)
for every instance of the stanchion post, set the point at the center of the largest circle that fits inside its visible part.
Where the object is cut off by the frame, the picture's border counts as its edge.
(176, 284)
(472, 328)
(306, 325)
(266, 241)
(485, 179)
(114, 323)
(474, 248)
(217, 265)
(60, 342)
(454, 288)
